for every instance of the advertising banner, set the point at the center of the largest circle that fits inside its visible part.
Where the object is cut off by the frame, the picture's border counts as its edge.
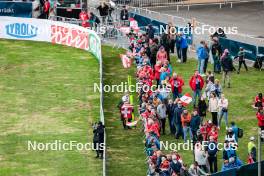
(50, 31)
(261, 51)
(233, 47)
(16, 9)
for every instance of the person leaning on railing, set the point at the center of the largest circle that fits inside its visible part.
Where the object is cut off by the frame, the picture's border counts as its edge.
(94, 20)
(124, 15)
(103, 10)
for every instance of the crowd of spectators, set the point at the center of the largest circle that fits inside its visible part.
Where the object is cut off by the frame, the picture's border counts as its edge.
(163, 105)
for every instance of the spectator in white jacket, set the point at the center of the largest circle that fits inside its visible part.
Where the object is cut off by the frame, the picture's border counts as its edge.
(195, 170)
(210, 87)
(200, 156)
(223, 110)
(213, 107)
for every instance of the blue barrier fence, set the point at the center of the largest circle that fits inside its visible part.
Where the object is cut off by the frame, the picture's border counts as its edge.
(159, 26)
(16, 9)
(251, 51)
(246, 170)
(261, 50)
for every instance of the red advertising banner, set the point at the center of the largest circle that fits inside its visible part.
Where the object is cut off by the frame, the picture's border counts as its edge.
(70, 37)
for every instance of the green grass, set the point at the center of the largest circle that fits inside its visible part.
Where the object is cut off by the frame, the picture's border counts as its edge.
(45, 95)
(125, 147)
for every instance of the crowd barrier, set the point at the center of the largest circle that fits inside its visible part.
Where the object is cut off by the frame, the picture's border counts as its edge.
(56, 33)
(233, 47)
(246, 170)
(16, 9)
(159, 26)
(251, 51)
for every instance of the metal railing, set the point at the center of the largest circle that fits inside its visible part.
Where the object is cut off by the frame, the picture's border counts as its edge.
(169, 3)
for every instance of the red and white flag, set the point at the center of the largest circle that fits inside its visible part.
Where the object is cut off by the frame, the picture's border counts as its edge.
(186, 99)
(125, 60)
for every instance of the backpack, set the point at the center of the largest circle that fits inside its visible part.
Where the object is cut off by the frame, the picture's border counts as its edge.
(240, 133)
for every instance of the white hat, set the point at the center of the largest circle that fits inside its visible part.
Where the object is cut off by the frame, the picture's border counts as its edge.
(252, 138)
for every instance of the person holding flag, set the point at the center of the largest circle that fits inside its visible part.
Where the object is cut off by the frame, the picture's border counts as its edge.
(126, 113)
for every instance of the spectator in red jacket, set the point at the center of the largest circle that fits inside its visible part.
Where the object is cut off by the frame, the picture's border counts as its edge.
(176, 83)
(196, 83)
(259, 101)
(157, 68)
(46, 9)
(84, 17)
(260, 117)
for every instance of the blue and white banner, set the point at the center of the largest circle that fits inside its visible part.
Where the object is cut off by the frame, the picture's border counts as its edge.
(16, 9)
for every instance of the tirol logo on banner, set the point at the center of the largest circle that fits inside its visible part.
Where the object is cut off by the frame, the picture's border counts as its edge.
(21, 30)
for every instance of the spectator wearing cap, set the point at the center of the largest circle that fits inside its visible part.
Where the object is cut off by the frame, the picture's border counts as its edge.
(252, 150)
(227, 65)
(241, 59)
(196, 83)
(230, 136)
(98, 139)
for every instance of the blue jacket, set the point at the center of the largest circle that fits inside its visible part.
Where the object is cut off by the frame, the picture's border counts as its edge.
(235, 130)
(177, 115)
(163, 76)
(184, 43)
(178, 41)
(201, 53)
(195, 123)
